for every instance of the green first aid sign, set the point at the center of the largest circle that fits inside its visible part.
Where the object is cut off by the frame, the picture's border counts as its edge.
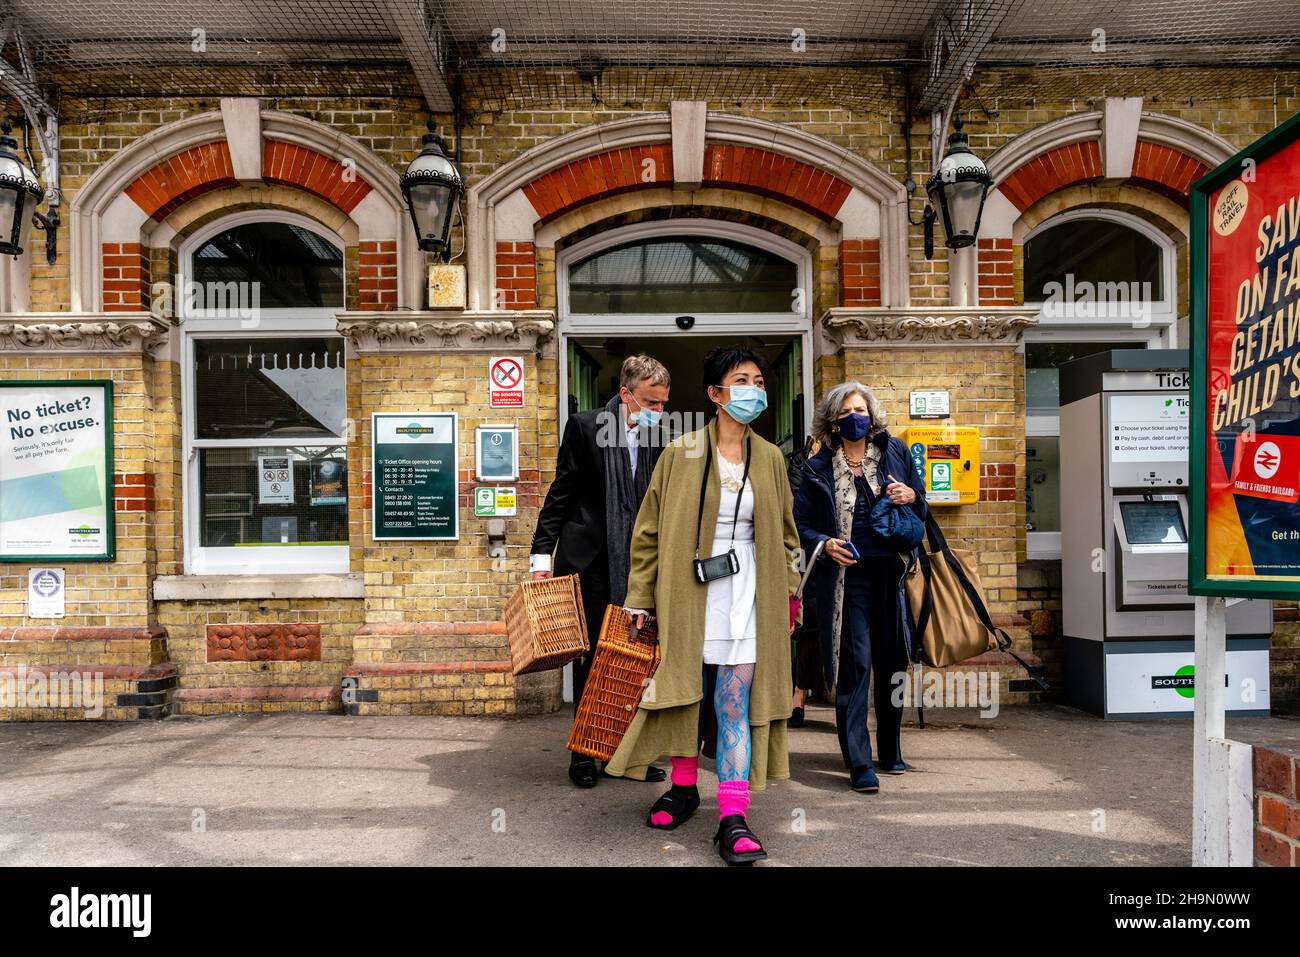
(494, 501)
(940, 476)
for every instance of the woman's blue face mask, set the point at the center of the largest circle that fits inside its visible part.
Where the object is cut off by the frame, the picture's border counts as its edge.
(854, 426)
(747, 403)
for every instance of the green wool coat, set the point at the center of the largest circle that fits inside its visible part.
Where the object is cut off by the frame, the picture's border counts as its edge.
(661, 577)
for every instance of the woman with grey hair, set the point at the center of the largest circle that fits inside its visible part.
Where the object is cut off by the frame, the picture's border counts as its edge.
(858, 576)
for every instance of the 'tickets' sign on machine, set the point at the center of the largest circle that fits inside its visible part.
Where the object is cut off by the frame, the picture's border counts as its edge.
(415, 462)
(1245, 483)
(56, 471)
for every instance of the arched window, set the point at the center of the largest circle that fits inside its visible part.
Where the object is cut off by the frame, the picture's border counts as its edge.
(287, 264)
(265, 397)
(1091, 250)
(685, 274)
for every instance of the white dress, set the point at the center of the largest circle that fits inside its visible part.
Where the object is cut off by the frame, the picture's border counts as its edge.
(730, 617)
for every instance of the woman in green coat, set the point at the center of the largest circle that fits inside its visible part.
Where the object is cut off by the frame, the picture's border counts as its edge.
(720, 491)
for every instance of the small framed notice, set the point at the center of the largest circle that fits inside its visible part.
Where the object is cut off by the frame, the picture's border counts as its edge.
(496, 453)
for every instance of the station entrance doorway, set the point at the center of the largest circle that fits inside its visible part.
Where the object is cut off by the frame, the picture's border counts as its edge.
(674, 290)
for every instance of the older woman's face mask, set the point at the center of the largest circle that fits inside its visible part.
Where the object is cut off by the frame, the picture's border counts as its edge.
(854, 425)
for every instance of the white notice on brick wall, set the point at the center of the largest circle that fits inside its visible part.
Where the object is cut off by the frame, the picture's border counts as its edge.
(45, 593)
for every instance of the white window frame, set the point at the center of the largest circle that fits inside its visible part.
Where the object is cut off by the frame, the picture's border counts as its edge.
(270, 323)
(706, 323)
(1161, 333)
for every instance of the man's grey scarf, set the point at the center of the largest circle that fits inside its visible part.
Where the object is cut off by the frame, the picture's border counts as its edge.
(623, 491)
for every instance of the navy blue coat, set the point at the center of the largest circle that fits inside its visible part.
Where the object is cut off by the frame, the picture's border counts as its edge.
(814, 514)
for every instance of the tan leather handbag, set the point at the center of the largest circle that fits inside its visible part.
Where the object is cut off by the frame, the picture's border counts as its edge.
(946, 598)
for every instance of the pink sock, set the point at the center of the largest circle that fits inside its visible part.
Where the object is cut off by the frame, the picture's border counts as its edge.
(685, 773)
(733, 798)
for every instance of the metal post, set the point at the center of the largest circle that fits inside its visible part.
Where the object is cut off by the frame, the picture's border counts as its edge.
(1209, 777)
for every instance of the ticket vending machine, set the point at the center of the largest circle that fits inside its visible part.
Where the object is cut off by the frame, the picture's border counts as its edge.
(1126, 615)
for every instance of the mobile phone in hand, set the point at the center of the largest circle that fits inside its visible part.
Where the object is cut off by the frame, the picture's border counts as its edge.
(848, 547)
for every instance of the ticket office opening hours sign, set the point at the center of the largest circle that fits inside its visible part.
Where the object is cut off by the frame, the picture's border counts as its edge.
(416, 463)
(1245, 317)
(56, 471)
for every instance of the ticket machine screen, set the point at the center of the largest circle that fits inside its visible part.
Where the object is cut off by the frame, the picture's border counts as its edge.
(1153, 523)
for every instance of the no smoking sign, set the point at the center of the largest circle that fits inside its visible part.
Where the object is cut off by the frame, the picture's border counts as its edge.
(505, 382)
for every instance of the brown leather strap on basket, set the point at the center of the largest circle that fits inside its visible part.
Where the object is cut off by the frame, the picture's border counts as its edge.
(634, 634)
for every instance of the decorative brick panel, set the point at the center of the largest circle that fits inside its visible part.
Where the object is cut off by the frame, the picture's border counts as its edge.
(860, 272)
(377, 275)
(516, 278)
(768, 173)
(264, 642)
(134, 492)
(996, 273)
(126, 277)
(1053, 170)
(1166, 170)
(998, 482)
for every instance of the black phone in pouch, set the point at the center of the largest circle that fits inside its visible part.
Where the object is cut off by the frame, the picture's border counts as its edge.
(719, 566)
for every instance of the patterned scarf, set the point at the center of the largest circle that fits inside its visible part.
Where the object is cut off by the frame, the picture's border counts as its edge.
(846, 496)
(623, 493)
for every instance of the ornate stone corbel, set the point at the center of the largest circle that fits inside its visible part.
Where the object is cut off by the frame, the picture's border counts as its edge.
(443, 332)
(992, 325)
(61, 333)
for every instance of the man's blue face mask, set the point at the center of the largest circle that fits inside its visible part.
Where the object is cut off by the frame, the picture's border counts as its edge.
(647, 418)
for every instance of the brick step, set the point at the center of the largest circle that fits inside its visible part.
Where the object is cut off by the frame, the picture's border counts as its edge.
(429, 688)
(430, 643)
(96, 693)
(258, 700)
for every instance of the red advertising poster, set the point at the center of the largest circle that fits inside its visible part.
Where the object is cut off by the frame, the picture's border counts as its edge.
(1246, 331)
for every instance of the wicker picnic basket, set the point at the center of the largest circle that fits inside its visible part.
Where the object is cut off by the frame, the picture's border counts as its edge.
(545, 623)
(622, 665)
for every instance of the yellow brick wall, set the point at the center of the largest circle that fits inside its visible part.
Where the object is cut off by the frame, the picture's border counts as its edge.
(985, 387)
(103, 593)
(453, 580)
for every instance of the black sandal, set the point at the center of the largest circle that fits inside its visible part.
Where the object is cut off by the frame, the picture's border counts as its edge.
(730, 830)
(678, 801)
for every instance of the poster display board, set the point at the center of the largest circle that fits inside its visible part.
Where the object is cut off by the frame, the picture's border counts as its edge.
(1245, 315)
(56, 471)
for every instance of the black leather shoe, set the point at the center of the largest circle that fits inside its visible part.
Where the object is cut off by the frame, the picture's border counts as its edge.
(582, 772)
(796, 718)
(653, 775)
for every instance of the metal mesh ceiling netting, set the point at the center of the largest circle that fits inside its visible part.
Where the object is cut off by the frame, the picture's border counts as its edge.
(618, 52)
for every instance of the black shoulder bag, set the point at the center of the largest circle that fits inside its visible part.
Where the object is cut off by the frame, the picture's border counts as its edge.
(719, 566)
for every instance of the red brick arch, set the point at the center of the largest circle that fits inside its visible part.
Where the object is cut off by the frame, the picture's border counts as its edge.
(1160, 168)
(745, 168)
(170, 184)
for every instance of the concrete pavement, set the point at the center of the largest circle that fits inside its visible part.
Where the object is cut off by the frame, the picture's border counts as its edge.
(1035, 785)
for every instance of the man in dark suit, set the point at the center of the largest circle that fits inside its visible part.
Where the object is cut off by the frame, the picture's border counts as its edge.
(602, 471)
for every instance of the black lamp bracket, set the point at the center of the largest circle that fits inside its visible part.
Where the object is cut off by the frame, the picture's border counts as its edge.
(50, 224)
